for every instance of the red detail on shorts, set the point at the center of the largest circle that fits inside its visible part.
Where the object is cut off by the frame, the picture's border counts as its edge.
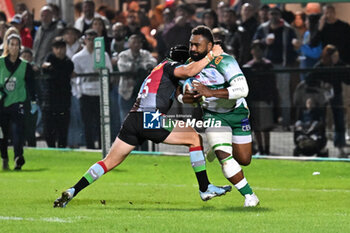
(197, 148)
(102, 164)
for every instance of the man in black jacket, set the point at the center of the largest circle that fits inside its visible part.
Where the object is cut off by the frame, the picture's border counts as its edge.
(57, 94)
(333, 31)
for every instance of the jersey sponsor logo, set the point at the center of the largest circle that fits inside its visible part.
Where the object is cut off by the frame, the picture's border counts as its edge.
(245, 125)
(152, 120)
(218, 59)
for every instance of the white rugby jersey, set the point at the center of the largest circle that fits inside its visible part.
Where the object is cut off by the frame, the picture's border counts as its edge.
(218, 74)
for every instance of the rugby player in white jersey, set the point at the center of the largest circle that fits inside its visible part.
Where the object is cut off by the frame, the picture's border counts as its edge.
(224, 87)
(156, 95)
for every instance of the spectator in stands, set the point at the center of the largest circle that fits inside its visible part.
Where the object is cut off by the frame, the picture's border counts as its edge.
(78, 10)
(330, 57)
(57, 94)
(281, 44)
(41, 47)
(333, 31)
(107, 12)
(84, 22)
(313, 8)
(76, 136)
(230, 25)
(119, 42)
(133, 26)
(210, 18)
(3, 29)
(89, 89)
(309, 56)
(56, 16)
(30, 117)
(221, 7)
(219, 35)
(118, 45)
(263, 14)
(26, 37)
(145, 28)
(180, 31)
(243, 36)
(71, 36)
(28, 19)
(287, 16)
(17, 84)
(168, 17)
(299, 24)
(99, 26)
(44, 36)
(263, 99)
(239, 4)
(139, 62)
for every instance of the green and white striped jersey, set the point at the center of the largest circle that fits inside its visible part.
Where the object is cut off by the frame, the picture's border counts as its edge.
(218, 74)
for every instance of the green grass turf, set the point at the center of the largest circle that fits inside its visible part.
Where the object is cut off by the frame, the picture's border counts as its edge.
(160, 194)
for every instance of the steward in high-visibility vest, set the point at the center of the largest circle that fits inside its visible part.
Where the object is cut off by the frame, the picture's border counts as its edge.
(16, 85)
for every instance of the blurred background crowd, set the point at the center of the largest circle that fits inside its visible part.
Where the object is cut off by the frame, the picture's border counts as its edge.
(269, 42)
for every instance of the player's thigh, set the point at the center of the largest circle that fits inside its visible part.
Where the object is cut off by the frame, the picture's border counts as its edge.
(183, 136)
(241, 135)
(118, 152)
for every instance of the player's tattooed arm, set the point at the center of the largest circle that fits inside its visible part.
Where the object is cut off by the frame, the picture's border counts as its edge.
(194, 68)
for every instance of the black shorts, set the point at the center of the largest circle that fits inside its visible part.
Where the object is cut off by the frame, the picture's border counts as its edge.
(133, 133)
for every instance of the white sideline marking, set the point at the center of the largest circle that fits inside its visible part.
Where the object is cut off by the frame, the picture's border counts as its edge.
(254, 187)
(52, 219)
(303, 190)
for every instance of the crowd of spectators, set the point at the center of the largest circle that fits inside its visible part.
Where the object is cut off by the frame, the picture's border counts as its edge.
(259, 37)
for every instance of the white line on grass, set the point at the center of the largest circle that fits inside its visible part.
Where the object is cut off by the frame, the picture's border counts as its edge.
(258, 188)
(302, 190)
(52, 219)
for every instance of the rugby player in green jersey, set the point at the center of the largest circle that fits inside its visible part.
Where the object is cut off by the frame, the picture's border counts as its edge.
(224, 87)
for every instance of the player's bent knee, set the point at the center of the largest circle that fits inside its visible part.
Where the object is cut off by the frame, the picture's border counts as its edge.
(245, 161)
(243, 157)
(242, 153)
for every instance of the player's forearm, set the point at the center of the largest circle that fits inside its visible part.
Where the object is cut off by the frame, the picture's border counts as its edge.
(219, 93)
(193, 68)
(238, 88)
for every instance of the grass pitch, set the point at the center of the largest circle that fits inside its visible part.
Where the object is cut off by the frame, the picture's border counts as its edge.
(160, 194)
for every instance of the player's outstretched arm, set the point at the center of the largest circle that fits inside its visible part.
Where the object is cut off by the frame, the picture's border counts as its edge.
(238, 89)
(194, 68)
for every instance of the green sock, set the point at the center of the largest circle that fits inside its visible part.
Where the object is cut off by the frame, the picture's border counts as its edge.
(243, 187)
